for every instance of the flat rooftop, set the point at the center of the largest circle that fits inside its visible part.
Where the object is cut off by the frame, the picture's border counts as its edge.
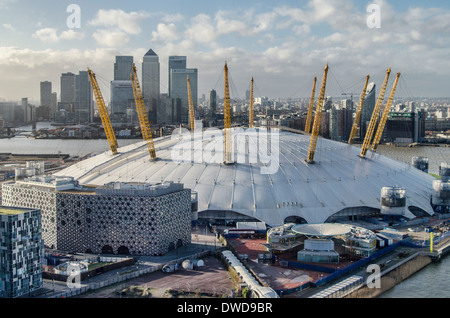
(6, 210)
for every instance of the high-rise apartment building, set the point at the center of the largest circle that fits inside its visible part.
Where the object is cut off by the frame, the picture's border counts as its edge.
(21, 251)
(368, 107)
(44, 109)
(24, 106)
(67, 94)
(7, 111)
(67, 88)
(213, 103)
(54, 104)
(46, 94)
(122, 100)
(151, 82)
(340, 123)
(122, 96)
(76, 99)
(27, 110)
(84, 104)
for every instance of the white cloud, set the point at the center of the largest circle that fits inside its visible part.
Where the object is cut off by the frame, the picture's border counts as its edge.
(172, 18)
(111, 38)
(35, 66)
(202, 29)
(9, 27)
(4, 3)
(50, 35)
(118, 25)
(287, 46)
(119, 19)
(165, 32)
(264, 21)
(303, 29)
(226, 26)
(71, 35)
(322, 10)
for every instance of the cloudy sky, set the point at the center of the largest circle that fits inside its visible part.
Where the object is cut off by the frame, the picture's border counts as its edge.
(283, 44)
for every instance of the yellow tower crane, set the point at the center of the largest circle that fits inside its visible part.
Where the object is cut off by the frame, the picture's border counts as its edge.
(191, 105)
(311, 107)
(317, 118)
(250, 108)
(374, 119)
(358, 113)
(385, 115)
(227, 119)
(142, 114)
(109, 132)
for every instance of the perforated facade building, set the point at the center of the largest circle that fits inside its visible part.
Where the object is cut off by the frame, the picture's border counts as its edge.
(118, 218)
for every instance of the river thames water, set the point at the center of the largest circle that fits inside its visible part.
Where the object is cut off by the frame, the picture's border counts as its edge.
(431, 282)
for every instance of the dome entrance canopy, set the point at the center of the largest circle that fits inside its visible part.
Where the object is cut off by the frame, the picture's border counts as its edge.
(322, 230)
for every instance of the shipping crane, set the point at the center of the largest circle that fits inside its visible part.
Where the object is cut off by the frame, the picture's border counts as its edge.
(374, 119)
(358, 112)
(142, 114)
(250, 108)
(311, 107)
(317, 118)
(191, 105)
(385, 115)
(109, 132)
(227, 118)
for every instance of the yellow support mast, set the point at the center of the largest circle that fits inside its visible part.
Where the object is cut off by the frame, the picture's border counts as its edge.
(385, 115)
(317, 118)
(311, 108)
(251, 113)
(227, 119)
(358, 113)
(109, 132)
(191, 105)
(374, 119)
(142, 114)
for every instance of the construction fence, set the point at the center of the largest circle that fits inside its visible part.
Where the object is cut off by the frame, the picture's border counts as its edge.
(121, 277)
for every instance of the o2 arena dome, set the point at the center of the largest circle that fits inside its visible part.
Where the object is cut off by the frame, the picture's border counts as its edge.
(269, 180)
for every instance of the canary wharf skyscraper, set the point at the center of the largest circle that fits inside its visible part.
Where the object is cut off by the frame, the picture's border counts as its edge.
(178, 63)
(150, 81)
(178, 89)
(122, 68)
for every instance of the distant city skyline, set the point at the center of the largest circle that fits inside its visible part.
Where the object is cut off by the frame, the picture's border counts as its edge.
(282, 44)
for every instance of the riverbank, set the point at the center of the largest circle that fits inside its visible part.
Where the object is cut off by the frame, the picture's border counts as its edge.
(394, 277)
(418, 260)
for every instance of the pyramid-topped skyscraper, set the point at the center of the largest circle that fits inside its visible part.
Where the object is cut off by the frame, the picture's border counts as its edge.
(150, 81)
